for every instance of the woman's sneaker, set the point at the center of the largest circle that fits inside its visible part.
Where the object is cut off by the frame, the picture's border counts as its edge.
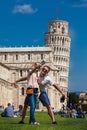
(21, 122)
(36, 123)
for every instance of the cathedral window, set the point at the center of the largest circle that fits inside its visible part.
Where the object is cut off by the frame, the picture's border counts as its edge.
(41, 56)
(5, 57)
(16, 57)
(22, 91)
(21, 74)
(28, 56)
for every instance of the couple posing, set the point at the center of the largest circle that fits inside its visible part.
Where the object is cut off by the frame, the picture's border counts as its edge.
(35, 79)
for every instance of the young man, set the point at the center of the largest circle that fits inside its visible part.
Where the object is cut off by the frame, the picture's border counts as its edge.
(32, 93)
(43, 81)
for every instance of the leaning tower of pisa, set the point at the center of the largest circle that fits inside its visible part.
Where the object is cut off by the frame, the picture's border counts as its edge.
(58, 38)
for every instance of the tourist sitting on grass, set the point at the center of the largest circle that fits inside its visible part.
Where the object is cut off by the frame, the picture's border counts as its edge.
(19, 112)
(8, 111)
(73, 113)
(54, 111)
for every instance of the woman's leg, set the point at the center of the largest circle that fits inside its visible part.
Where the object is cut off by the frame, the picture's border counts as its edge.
(24, 112)
(32, 108)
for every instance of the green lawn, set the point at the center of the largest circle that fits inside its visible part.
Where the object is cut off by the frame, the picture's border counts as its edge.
(45, 123)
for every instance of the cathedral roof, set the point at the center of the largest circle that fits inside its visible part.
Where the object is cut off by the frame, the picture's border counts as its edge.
(4, 65)
(24, 49)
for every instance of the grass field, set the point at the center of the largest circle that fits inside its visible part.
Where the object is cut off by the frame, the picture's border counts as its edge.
(45, 123)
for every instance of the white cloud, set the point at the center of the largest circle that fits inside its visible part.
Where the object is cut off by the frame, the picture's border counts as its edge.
(26, 8)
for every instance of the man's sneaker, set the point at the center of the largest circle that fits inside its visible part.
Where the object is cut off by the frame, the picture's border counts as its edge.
(54, 122)
(34, 123)
(21, 122)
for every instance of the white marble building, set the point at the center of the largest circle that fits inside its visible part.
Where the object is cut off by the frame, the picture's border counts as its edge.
(15, 62)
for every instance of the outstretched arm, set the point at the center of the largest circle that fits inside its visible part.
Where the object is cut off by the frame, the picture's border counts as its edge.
(36, 66)
(19, 80)
(58, 88)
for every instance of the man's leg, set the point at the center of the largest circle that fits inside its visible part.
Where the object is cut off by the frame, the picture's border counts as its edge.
(50, 112)
(45, 101)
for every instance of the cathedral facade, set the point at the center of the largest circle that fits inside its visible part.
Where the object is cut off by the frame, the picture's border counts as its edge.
(16, 61)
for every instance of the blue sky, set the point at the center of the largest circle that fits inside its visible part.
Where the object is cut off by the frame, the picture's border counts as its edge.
(24, 22)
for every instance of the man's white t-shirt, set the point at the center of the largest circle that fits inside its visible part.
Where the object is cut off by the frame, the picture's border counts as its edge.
(44, 82)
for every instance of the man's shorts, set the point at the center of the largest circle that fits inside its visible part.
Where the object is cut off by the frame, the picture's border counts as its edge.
(44, 99)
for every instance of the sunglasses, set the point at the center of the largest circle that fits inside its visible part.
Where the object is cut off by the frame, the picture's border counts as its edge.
(45, 70)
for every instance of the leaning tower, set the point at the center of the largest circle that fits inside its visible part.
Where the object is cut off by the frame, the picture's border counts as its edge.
(58, 38)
